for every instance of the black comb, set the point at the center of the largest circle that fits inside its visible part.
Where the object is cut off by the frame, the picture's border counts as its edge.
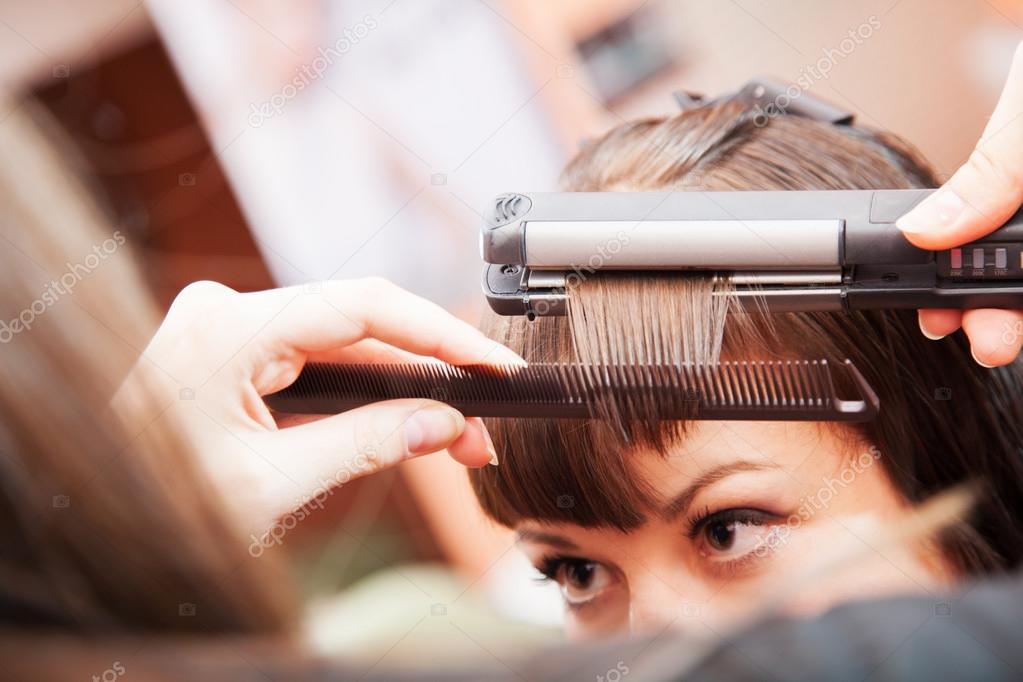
(782, 390)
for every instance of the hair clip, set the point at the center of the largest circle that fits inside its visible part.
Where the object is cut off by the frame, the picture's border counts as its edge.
(687, 100)
(772, 97)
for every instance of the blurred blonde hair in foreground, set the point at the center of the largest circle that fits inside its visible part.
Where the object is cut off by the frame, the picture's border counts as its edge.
(108, 526)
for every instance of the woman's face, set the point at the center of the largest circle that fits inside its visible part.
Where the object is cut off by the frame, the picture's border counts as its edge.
(747, 510)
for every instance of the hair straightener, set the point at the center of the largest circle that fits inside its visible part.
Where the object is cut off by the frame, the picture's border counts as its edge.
(782, 250)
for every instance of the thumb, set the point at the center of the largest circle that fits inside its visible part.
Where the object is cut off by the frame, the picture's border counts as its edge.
(312, 458)
(984, 193)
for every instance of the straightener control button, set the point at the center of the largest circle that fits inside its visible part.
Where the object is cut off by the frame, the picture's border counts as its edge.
(978, 258)
(981, 262)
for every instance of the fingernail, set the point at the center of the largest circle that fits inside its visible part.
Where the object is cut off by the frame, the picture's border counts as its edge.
(932, 337)
(432, 428)
(936, 213)
(502, 355)
(491, 450)
(982, 364)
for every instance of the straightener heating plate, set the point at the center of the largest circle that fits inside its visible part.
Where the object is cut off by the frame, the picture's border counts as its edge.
(783, 390)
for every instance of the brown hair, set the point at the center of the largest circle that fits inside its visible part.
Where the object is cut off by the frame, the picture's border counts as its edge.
(944, 420)
(107, 525)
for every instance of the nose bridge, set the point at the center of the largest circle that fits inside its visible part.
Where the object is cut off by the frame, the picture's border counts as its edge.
(660, 601)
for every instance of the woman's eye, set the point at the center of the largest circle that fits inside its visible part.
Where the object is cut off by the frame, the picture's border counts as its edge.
(721, 535)
(734, 532)
(581, 580)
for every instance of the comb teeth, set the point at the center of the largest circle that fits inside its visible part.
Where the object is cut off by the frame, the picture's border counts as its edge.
(796, 390)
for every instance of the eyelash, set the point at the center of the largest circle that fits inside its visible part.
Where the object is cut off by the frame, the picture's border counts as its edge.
(549, 567)
(738, 516)
(749, 516)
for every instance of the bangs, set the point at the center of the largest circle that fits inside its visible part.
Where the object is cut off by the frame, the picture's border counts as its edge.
(569, 470)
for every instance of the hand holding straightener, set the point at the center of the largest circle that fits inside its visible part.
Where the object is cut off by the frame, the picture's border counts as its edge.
(976, 201)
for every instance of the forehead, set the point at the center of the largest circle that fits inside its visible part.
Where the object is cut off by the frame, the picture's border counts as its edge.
(769, 439)
(800, 449)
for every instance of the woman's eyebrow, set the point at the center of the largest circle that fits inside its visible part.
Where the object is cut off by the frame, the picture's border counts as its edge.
(680, 504)
(546, 539)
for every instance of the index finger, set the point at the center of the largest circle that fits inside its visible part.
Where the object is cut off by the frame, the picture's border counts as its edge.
(986, 191)
(347, 311)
